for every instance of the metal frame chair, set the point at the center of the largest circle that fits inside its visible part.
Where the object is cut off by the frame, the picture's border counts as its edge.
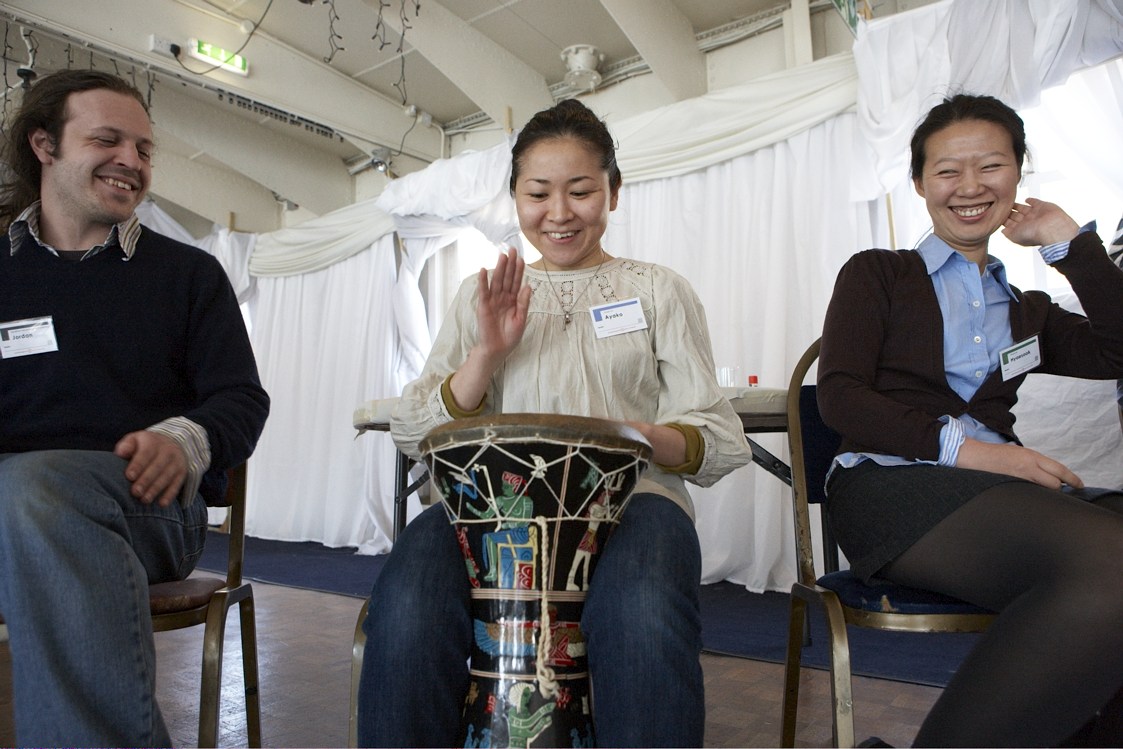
(843, 598)
(207, 600)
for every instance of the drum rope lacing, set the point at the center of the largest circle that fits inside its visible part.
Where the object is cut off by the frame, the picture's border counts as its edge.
(547, 678)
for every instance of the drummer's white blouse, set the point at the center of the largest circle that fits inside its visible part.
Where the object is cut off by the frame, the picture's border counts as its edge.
(664, 374)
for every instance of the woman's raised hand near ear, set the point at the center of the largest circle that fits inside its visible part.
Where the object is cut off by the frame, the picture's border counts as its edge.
(1037, 222)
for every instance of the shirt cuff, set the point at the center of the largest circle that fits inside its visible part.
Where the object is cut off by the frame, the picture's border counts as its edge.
(450, 402)
(695, 449)
(1054, 253)
(951, 439)
(196, 446)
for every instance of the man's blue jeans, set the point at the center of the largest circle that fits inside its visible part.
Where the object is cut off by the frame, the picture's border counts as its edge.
(641, 623)
(77, 553)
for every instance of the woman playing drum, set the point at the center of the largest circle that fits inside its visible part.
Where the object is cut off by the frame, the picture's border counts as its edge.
(583, 333)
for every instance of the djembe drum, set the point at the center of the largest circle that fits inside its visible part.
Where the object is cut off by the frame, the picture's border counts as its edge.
(533, 498)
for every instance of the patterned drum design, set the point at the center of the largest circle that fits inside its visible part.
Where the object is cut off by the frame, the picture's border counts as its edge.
(534, 499)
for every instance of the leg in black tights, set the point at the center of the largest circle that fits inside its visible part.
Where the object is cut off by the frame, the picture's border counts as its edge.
(1053, 566)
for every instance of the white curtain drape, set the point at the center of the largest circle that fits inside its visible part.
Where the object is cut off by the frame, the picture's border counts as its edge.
(324, 342)
(320, 242)
(1011, 49)
(718, 126)
(339, 333)
(1082, 117)
(759, 224)
(432, 209)
(765, 284)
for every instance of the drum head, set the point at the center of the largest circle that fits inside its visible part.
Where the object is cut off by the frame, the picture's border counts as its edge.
(577, 430)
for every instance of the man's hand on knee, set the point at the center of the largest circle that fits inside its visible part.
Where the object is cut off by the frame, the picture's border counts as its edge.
(157, 466)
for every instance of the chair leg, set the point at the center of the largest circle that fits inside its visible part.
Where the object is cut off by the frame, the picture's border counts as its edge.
(249, 671)
(842, 694)
(842, 697)
(213, 636)
(357, 649)
(792, 662)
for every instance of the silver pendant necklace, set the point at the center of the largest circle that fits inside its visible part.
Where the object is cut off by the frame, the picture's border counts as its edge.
(567, 310)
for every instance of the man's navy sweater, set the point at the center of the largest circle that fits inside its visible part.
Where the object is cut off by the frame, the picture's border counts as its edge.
(139, 341)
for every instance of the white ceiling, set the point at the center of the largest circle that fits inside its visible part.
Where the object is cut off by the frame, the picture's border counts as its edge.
(328, 88)
(328, 62)
(534, 31)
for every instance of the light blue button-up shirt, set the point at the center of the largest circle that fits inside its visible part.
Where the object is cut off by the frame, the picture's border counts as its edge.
(976, 313)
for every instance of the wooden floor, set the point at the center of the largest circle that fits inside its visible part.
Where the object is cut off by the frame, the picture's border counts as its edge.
(304, 650)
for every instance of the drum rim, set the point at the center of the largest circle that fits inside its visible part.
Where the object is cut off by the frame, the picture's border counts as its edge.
(578, 430)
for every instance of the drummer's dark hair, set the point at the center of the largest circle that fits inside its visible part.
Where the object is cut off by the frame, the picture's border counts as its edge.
(568, 119)
(959, 108)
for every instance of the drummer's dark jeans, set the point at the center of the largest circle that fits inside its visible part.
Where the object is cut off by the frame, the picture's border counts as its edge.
(641, 622)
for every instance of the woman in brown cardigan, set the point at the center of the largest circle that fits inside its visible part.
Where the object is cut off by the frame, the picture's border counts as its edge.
(923, 352)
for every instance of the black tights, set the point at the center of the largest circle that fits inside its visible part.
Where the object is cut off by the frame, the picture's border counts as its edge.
(1053, 566)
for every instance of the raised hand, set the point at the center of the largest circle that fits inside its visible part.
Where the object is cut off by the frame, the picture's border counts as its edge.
(502, 307)
(501, 317)
(1037, 222)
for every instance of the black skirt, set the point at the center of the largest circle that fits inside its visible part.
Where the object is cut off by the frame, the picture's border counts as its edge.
(877, 512)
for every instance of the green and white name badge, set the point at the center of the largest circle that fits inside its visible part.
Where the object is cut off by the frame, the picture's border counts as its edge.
(1020, 358)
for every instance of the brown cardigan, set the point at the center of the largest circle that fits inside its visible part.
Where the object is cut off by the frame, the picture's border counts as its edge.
(882, 383)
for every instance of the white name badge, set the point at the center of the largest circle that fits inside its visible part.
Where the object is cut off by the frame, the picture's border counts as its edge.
(615, 318)
(1020, 358)
(35, 335)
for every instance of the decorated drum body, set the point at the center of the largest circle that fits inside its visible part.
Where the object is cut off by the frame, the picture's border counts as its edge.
(534, 499)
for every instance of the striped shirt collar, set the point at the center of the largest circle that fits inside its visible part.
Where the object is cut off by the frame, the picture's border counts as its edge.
(125, 234)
